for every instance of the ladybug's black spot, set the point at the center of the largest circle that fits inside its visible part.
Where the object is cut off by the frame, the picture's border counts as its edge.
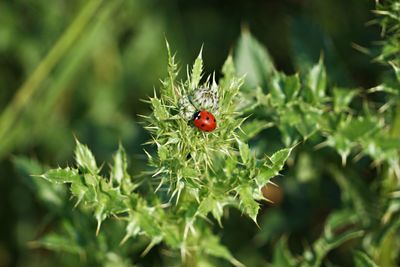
(202, 125)
(215, 120)
(207, 118)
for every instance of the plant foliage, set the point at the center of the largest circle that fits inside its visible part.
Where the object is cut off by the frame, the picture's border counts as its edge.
(193, 178)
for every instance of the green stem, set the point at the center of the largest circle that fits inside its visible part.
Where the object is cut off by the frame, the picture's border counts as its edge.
(10, 114)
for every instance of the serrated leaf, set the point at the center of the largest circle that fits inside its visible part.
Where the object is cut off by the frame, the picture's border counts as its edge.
(119, 169)
(342, 98)
(85, 159)
(80, 191)
(213, 205)
(283, 88)
(163, 152)
(132, 228)
(272, 166)
(197, 71)
(247, 203)
(245, 152)
(61, 176)
(253, 61)
(159, 110)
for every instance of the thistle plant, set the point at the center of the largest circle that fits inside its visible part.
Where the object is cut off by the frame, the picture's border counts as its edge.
(192, 177)
(305, 107)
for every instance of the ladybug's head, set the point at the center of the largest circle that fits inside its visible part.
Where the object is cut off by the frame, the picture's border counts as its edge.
(196, 115)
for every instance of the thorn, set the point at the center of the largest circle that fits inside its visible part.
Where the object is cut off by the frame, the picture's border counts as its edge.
(274, 184)
(126, 237)
(98, 227)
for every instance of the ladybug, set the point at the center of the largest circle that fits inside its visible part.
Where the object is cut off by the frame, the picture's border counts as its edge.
(205, 121)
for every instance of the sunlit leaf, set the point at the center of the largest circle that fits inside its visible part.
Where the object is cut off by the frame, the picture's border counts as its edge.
(85, 159)
(252, 60)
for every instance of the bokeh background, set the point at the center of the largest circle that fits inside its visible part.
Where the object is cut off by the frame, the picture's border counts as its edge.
(91, 83)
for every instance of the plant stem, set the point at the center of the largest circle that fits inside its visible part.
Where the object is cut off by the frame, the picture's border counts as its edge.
(23, 95)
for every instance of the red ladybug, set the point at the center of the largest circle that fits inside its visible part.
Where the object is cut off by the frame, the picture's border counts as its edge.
(205, 121)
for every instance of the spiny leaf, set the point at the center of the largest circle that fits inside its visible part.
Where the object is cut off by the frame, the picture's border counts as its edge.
(60, 176)
(272, 166)
(119, 169)
(213, 205)
(85, 159)
(245, 152)
(197, 72)
(342, 98)
(247, 203)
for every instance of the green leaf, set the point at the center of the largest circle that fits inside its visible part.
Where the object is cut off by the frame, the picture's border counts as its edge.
(316, 81)
(291, 86)
(197, 71)
(132, 227)
(273, 165)
(159, 110)
(340, 227)
(163, 152)
(81, 191)
(342, 98)
(85, 159)
(283, 88)
(120, 168)
(361, 259)
(213, 205)
(276, 90)
(60, 176)
(213, 247)
(252, 128)
(245, 152)
(252, 60)
(51, 193)
(282, 256)
(228, 70)
(247, 203)
(349, 132)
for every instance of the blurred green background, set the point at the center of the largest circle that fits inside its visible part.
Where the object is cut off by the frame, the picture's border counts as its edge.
(112, 55)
